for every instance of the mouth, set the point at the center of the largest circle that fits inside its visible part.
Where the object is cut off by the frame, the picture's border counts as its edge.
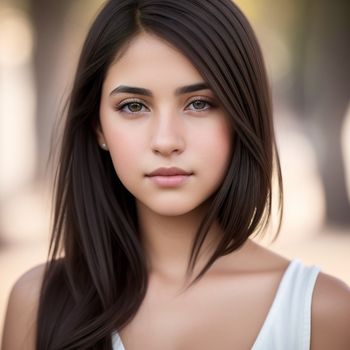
(169, 177)
(173, 171)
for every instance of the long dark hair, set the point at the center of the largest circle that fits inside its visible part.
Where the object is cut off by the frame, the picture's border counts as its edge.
(96, 275)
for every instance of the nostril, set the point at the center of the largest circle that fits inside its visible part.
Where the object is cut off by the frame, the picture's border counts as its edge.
(166, 152)
(168, 146)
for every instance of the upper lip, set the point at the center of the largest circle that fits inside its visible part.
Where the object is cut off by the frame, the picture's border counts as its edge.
(169, 172)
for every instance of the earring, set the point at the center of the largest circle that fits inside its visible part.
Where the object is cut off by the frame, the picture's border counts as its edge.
(104, 146)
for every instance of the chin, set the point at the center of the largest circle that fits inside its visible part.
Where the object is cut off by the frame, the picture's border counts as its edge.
(171, 209)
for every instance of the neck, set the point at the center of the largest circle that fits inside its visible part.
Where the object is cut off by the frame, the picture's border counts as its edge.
(167, 241)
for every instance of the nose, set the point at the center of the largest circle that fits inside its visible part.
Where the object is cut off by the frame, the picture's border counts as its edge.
(167, 135)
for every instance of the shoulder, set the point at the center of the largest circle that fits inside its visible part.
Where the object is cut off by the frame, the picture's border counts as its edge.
(31, 278)
(330, 314)
(19, 328)
(27, 288)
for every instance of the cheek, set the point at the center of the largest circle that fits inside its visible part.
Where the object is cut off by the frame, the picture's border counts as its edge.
(125, 151)
(216, 146)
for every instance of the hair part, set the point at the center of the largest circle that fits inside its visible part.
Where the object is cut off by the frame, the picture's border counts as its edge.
(101, 282)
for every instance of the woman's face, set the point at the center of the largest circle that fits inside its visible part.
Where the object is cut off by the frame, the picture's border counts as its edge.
(157, 112)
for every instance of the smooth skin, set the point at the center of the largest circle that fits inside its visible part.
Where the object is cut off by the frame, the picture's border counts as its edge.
(169, 127)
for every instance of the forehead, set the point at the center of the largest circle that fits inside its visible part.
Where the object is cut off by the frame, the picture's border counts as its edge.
(151, 60)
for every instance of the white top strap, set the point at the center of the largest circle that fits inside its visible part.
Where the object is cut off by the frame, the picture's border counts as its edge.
(288, 323)
(117, 342)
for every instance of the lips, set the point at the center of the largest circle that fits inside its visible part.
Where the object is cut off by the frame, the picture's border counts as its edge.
(173, 171)
(169, 177)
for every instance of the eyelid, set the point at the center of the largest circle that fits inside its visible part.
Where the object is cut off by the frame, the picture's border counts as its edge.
(201, 98)
(126, 101)
(206, 99)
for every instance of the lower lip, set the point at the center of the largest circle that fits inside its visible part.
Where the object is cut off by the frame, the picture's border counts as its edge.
(169, 181)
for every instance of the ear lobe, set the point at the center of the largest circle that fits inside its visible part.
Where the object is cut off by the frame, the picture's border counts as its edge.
(100, 138)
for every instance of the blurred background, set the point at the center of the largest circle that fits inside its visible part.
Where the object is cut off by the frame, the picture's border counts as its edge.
(307, 54)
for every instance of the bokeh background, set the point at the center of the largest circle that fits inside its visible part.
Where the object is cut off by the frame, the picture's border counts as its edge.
(307, 54)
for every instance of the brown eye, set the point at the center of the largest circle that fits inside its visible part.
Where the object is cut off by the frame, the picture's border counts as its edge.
(134, 107)
(199, 105)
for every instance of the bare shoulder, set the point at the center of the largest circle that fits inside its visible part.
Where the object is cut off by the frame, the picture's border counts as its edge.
(20, 320)
(263, 259)
(330, 314)
(26, 290)
(31, 278)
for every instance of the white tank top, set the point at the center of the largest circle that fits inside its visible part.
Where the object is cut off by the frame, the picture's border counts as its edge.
(288, 322)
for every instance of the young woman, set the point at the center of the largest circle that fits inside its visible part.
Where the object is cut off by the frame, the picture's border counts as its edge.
(165, 173)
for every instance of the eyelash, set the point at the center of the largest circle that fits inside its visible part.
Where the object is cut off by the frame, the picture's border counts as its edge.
(124, 104)
(209, 103)
(127, 103)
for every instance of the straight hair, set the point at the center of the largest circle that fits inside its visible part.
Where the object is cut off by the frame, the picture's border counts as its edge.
(96, 275)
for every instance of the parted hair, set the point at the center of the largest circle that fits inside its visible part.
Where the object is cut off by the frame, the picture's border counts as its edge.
(96, 276)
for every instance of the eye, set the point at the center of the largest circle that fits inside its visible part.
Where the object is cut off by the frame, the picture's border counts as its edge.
(132, 107)
(199, 104)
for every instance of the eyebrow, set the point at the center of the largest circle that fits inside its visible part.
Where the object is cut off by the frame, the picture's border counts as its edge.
(141, 91)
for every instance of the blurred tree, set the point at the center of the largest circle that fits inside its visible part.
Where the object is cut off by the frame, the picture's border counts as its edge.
(48, 18)
(321, 92)
(59, 27)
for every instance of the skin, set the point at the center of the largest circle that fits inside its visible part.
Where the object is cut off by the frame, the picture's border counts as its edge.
(186, 130)
(223, 310)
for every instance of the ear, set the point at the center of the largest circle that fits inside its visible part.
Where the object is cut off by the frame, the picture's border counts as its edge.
(100, 137)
